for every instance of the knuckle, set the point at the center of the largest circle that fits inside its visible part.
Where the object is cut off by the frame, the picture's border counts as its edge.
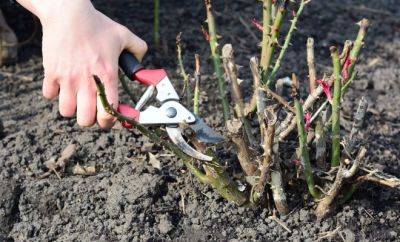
(143, 46)
(111, 73)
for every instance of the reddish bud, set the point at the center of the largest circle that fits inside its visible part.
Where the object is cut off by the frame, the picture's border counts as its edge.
(346, 67)
(293, 13)
(307, 119)
(297, 162)
(257, 24)
(327, 89)
(205, 33)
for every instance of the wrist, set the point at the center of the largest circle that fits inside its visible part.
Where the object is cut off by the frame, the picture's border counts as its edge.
(49, 11)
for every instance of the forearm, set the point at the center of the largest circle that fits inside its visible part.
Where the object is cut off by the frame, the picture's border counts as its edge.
(45, 10)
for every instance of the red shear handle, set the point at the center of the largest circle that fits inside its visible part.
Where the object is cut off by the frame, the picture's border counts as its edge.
(129, 112)
(135, 71)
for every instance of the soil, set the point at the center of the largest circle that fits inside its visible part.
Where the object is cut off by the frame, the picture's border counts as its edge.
(128, 199)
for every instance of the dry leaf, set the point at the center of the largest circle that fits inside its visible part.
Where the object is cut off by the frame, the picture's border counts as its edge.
(66, 154)
(154, 161)
(84, 170)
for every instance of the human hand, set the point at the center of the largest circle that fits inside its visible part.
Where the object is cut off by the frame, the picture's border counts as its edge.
(79, 42)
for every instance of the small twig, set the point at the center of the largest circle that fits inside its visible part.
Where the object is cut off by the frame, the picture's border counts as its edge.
(197, 78)
(312, 74)
(280, 99)
(186, 79)
(278, 221)
(329, 234)
(247, 27)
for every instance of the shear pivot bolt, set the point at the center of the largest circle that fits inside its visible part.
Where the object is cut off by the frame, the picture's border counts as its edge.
(171, 112)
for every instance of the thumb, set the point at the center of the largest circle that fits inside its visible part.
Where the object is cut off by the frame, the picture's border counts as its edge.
(133, 44)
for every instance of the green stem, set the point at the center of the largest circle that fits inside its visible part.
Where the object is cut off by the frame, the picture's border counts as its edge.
(287, 42)
(217, 60)
(268, 51)
(157, 22)
(337, 86)
(267, 18)
(358, 44)
(305, 157)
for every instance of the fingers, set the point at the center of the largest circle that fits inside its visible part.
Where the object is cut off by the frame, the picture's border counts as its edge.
(110, 81)
(133, 43)
(86, 110)
(50, 88)
(67, 100)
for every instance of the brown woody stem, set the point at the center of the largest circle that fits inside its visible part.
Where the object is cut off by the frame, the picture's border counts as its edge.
(312, 74)
(231, 73)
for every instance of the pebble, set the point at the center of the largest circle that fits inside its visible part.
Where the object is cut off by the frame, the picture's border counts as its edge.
(165, 225)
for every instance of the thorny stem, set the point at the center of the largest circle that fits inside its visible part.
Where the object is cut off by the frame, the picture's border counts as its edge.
(267, 53)
(287, 42)
(312, 75)
(259, 96)
(217, 60)
(245, 155)
(358, 44)
(266, 34)
(124, 84)
(305, 157)
(186, 79)
(315, 95)
(231, 73)
(219, 179)
(337, 83)
(157, 22)
(197, 78)
(270, 118)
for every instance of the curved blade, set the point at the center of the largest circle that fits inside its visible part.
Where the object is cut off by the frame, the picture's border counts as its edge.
(205, 133)
(176, 137)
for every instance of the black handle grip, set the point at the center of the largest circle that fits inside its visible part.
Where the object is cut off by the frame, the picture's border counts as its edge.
(129, 64)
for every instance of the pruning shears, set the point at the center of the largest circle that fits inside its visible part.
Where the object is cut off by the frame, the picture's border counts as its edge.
(171, 113)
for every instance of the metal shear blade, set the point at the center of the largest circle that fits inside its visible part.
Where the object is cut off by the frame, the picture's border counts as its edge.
(176, 137)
